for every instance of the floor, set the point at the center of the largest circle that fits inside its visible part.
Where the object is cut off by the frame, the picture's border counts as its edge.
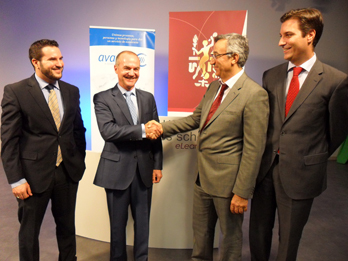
(325, 237)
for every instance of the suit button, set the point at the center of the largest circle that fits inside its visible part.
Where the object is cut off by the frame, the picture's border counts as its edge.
(135, 157)
(283, 133)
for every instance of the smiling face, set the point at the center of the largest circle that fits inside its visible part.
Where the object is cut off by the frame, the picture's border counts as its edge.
(296, 47)
(222, 64)
(127, 69)
(50, 66)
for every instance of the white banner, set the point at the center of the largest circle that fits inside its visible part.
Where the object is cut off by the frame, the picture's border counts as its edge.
(105, 44)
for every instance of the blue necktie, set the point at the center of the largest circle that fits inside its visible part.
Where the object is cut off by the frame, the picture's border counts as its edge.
(131, 107)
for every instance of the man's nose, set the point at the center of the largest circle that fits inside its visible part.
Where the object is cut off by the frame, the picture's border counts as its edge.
(281, 42)
(60, 63)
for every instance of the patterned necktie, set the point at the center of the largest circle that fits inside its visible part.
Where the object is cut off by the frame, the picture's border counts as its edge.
(131, 107)
(54, 107)
(293, 89)
(216, 103)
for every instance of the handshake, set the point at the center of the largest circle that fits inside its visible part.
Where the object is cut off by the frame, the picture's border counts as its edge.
(153, 130)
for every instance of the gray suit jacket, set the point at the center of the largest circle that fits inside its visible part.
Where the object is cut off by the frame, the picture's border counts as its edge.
(125, 149)
(230, 146)
(315, 126)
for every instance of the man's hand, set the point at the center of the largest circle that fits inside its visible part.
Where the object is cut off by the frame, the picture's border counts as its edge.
(22, 191)
(153, 130)
(238, 205)
(156, 175)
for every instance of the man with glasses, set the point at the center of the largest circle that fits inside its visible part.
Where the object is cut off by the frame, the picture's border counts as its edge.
(232, 119)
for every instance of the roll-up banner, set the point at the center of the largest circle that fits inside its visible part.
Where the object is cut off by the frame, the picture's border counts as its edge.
(105, 44)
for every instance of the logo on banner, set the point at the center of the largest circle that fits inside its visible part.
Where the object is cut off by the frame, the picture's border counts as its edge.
(199, 63)
(142, 58)
(191, 42)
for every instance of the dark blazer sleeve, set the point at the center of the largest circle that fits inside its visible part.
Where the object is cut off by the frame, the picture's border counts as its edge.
(157, 148)
(79, 130)
(72, 132)
(11, 130)
(338, 114)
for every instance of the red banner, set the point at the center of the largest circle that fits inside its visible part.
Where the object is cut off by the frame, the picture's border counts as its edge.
(191, 40)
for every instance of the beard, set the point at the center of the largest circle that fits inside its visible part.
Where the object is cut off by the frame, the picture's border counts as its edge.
(50, 73)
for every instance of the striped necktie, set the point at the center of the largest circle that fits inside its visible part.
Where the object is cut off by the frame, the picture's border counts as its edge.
(131, 107)
(54, 107)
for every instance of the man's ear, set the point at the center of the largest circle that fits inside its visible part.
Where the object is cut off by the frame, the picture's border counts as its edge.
(310, 36)
(235, 58)
(35, 63)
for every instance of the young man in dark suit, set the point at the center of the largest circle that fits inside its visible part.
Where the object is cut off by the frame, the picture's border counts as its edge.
(43, 149)
(308, 121)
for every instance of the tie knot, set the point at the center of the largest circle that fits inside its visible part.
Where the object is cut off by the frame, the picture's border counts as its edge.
(49, 87)
(224, 87)
(297, 70)
(128, 94)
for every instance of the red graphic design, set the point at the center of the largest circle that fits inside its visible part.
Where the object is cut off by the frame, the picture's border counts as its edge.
(191, 40)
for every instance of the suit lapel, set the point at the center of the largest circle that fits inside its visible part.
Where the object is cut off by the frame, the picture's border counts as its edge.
(36, 92)
(233, 93)
(140, 102)
(64, 92)
(280, 86)
(122, 104)
(214, 87)
(311, 82)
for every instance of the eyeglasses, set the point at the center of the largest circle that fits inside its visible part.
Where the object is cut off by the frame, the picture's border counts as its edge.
(217, 56)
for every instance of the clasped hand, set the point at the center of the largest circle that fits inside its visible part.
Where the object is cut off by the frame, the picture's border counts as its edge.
(153, 130)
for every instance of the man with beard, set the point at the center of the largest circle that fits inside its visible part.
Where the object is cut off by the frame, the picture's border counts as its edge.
(129, 163)
(43, 150)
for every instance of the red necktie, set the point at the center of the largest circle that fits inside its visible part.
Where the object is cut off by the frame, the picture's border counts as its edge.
(216, 103)
(293, 89)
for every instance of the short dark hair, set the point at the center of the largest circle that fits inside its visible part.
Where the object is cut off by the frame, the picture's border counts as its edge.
(309, 19)
(35, 50)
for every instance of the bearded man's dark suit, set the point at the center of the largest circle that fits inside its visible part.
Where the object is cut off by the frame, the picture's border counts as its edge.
(30, 142)
(126, 158)
(299, 146)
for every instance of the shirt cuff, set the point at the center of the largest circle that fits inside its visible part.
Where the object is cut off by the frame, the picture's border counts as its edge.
(18, 183)
(143, 133)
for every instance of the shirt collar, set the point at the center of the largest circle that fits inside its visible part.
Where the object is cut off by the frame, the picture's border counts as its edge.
(123, 90)
(230, 82)
(43, 83)
(307, 65)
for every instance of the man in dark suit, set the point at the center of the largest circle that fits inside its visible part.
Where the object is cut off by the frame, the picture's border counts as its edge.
(301, 136)
(129, 163)
(229, 149)
(43, 149)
